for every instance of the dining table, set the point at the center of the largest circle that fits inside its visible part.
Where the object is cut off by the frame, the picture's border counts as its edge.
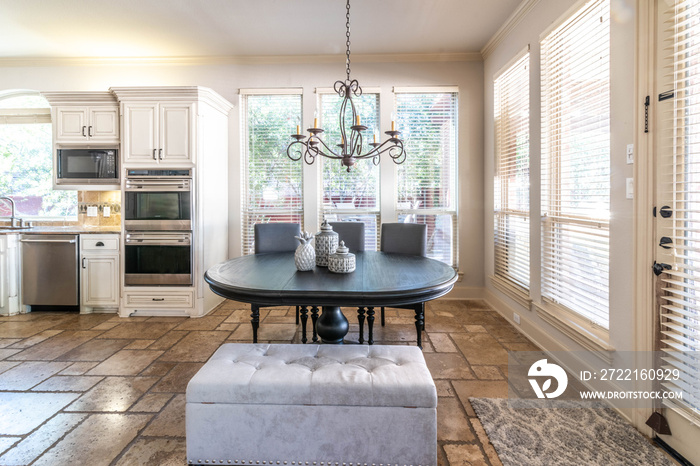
(379, 280)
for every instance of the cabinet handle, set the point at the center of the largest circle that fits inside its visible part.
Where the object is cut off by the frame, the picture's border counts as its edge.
(160, 154)
(154, 154)
(90, 130)
(158, 299)
(99, 243)
(84, 262)
(84, 130)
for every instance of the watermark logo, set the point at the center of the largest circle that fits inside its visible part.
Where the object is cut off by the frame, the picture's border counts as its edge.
(541, 369)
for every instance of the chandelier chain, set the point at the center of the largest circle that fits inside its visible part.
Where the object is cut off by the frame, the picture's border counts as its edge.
(347, 41)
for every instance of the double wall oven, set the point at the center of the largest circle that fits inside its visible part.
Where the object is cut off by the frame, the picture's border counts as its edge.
(158, 221)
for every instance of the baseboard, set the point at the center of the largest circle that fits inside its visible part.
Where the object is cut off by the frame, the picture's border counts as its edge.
(465, 292)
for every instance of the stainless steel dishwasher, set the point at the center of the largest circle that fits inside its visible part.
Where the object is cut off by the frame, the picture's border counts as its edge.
(50, 270)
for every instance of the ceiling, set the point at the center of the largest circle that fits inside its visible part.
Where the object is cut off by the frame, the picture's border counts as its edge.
(230, 28)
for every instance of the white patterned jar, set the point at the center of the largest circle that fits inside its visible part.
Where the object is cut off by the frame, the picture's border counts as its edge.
(326, 244)
(305, 256)
(342, 261)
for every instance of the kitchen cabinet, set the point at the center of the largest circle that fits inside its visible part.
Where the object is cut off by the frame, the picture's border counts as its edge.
(79, 124)
(158, 133)
(9, 275)
(99, 273)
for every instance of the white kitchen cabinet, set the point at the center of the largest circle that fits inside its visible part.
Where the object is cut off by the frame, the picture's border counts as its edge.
(83, 124)
(9, 275)
(159, 133)
(99, 273)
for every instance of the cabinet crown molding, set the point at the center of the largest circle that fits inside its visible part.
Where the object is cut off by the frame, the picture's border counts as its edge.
(173, 93)
(79, 98)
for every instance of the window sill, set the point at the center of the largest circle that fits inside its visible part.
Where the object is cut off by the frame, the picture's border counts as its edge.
(514, 292)
(583, 332)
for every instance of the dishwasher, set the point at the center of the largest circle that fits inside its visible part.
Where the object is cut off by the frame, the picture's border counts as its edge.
(50, 270)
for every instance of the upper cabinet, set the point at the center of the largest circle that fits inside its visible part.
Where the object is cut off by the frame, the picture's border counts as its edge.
(84, 117)
(158, 133)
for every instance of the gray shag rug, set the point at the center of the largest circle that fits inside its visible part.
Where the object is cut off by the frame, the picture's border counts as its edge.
(524, 432)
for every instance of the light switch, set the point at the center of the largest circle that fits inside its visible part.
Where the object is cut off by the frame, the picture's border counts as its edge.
(630, 154)
(630, 188)
(92, 211)
(105, 211)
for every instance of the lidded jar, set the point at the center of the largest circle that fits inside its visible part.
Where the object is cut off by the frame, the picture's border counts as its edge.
(342, 260)
(326, 243)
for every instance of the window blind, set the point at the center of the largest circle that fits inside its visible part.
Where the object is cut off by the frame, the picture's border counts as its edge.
(512, 174)
(680, 303)
(426, 182)
(272, 183)
(575, 64)
(351, 196)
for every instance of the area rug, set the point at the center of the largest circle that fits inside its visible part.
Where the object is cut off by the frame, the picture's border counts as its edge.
(524, 433)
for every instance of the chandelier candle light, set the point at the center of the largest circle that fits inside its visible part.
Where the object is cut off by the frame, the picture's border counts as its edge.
(349, 149)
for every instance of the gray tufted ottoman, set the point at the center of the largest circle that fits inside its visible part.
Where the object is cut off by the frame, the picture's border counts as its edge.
(319, 405)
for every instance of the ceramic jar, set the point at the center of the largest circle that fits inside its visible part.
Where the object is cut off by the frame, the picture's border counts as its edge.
(342, 261)
(305, 256)
(326, 244)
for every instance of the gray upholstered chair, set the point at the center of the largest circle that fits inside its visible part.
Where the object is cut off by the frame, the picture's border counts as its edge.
(277, 237)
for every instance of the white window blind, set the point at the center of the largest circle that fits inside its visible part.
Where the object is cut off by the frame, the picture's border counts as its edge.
(272, 183)
(512, 177)
(426, 182)
(351, 196)
(680, 308)
(575, 64)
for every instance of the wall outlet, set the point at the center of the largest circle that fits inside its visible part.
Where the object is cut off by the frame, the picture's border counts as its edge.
(92, 211)
(105, 211)
(516, 318)
(630, 154)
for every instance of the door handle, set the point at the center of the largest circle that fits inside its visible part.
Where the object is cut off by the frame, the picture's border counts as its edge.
(84, 262)
(160, 154)
(84, 130)
(158, 299)
(90, 130)
(154, 154)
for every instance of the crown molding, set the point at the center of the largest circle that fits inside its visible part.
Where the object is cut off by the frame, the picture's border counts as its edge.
(172, 93)
(241, 59)
(72, 97)
(513, 20)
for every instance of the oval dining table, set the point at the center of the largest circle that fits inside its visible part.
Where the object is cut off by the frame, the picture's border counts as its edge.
(379, 280)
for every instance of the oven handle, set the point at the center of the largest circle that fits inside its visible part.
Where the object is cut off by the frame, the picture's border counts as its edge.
(131, 186)
(159, 242)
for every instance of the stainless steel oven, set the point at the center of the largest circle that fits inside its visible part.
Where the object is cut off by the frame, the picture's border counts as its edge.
(158, 200)
(158, 258)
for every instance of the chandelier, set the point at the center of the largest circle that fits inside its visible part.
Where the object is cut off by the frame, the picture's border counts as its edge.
(350, 147)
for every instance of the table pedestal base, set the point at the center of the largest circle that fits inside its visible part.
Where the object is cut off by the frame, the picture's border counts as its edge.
(332, 325)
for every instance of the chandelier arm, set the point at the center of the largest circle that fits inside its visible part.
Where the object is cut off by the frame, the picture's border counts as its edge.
(291, 148)
(332, 154)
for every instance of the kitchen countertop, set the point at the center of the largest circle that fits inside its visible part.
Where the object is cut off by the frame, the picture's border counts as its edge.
(64, 229)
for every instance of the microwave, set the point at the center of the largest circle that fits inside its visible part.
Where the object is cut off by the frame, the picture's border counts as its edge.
(87, 166)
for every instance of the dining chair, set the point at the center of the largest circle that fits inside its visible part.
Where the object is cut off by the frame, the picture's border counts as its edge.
(277, 237)
(353, 234)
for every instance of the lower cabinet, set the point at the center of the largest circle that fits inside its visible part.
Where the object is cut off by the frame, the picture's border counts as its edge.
(99, 273)
(9, 275)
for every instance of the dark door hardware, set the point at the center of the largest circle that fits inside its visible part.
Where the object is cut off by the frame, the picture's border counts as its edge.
(646, 115)
(99, 243)
(664, 241)
(158, 299)
(667, 95)
(665, 211)
(659, 268)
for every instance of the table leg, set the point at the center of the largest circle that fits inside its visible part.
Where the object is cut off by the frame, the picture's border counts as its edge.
(255, 320)
(361, 321)
(302, 315)
(420, 316)
(314, 318)
(332, 325)
(370, 325)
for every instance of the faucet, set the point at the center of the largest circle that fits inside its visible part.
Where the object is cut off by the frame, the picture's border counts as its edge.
(14, 221)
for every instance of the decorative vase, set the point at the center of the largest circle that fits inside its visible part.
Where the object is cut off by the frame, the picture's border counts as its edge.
(305, 256)
(326, 244)
(342, 260)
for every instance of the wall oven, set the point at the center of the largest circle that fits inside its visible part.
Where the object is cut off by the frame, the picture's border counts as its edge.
(158, 200)
(158, 258)
(87, 166)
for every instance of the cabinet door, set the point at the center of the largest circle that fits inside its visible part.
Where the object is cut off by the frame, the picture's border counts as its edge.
(71, 124)
(140, 133)
(100, 281)
(176, 133)
(104, 124)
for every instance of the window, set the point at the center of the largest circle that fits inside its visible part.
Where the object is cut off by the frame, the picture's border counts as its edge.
(679, 163)
(354, 195)
(26, 160)
(512, 179)
(575, 63)
(272, 183)
(426, 182)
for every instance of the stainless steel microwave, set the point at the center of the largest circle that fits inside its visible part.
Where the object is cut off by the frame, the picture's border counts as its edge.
(87, 166)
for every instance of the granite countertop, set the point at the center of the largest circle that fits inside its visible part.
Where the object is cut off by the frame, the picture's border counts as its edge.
(64, 229)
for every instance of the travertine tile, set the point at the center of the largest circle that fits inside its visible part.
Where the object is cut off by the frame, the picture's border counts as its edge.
(20, 413)
(7, 352)
(201, 323)
(35, 444)
(453, 424)
(67, 383)
(480, 348)
(168, 340)
(443, 325)
(23, 329)
(177, 379)
(158, 369)
(151, 402)
(465, 454)
(7, 365)
(442, 343)
(198, 346)
(5, 342)
(487, 372)
(155, 451)
(97, 441)
(242, 314)
(170, 422)
(144, 330)
(227, 327)
(475, 329)
(36, 339)
(84, 322)
(485, 442)
(7, 442)
(466, 389)
(126, 362)
(78, 368)
(94, 350)
(57, 346)
(139, 344)
(448, 366)
(444, 388)
(113, 394)
(28, 374)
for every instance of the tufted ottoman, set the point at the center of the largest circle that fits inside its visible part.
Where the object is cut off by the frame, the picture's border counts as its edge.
(319, 405)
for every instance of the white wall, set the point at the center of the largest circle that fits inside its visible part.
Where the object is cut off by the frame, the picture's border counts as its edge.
(528, 31)
(227, 79)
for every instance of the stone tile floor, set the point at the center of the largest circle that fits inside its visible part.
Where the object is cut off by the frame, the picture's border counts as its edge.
(98, 389)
